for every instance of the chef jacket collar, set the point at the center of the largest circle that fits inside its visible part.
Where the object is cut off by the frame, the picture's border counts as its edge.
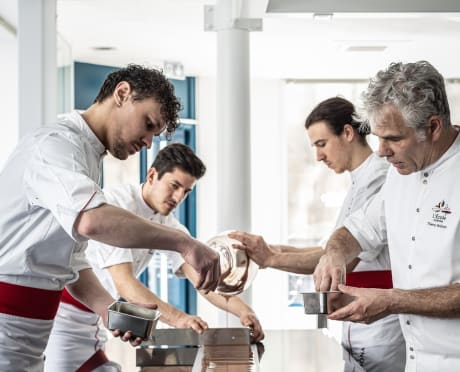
(88, 132)
(358, 171)
(145, 208)
(451, 151)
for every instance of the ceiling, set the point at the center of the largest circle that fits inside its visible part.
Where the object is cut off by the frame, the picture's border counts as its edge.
(291, 45)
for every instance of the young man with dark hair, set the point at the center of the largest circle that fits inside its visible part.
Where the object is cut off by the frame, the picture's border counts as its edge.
(169, 181)
(340, 143)
(51, 205)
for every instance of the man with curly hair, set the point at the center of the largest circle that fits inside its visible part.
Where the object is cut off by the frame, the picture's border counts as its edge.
(51, 205)
(172, 176)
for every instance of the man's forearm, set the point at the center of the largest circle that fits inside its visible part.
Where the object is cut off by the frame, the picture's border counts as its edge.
(89, 291)
(442, 302)
(292, 249)
(233, 304)
(343, 243)
(297, 260)
(132, 290)
(120, 228)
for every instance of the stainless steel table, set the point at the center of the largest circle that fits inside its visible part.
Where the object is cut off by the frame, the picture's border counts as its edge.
(300, 351)
(282, 350)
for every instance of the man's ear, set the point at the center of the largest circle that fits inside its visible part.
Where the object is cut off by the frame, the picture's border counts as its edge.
(151, 174)
(348, 132)
(435, 126)
(121, 93)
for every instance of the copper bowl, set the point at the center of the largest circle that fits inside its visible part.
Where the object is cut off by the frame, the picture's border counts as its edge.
(237, 269)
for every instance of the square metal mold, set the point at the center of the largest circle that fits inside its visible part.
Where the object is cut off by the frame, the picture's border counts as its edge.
(130, 317)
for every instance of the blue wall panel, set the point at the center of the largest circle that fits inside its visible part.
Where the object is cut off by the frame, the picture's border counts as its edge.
(87, 81)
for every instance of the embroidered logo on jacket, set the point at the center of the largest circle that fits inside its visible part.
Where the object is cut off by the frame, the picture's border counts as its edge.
(440, 212)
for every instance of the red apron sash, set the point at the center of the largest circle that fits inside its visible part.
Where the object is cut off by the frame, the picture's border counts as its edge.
(370, 279)
(69, 299)
(28, 302)
(97, 359)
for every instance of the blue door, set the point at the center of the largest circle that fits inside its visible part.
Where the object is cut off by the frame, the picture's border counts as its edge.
(159, 277)
(87, 81)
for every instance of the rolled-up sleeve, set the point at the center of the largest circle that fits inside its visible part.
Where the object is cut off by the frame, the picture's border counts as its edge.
(59, 179)
(368, 226)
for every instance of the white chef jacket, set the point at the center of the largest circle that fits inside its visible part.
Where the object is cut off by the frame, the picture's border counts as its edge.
(101, 256)
(380, 345)
(48, 180)
(418, 215)
(366, 181)
(69, 348)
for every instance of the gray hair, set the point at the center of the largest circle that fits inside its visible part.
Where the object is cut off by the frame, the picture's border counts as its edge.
(417, 90)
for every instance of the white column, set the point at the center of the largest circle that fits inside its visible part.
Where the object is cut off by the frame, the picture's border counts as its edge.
(37, 63)
(233, 119)
(233, 138)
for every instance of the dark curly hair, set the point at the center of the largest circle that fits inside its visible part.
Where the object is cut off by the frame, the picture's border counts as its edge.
(178, 155)
(146, 83)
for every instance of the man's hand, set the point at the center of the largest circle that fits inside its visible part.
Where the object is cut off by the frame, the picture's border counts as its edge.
(205, 262)
(128, 335)
(255, 246)
(330, 272)
(193, 322)
(249, 319)
(369, 305)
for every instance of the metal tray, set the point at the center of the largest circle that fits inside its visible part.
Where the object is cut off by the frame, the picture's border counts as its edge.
(129, 317)
(324, 302)
(177, 337)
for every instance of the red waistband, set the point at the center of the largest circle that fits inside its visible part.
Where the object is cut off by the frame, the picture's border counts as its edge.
(28, 302)
(97, 359)
(370, 279)
(69, 299)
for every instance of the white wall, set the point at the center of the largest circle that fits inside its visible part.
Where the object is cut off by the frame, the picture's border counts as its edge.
(269, 198)
(8, 95)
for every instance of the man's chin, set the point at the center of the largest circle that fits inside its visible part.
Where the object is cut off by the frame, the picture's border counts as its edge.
(403, 171)
(166, 211)
(120, 155)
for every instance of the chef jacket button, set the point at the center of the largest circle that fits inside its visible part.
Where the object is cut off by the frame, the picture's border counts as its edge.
(417, 210)
(411, 348)
(408, 322)
(409, 266)
(425, 182)
(412, 357)
(413, 238)
(425, 174)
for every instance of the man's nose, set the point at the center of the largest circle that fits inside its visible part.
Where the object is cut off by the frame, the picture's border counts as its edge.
(147, 140)
(319, 155)
(384, 149)
(179, 195)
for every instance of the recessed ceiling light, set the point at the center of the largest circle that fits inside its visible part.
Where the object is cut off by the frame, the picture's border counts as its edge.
(103, 48)
(322, 16)
(365, 48)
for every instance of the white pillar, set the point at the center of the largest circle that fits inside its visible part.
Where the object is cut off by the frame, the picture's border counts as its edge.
(233, 119)
(37, 63)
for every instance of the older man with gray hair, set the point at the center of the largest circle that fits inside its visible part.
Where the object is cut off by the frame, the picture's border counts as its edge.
(416, 213)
